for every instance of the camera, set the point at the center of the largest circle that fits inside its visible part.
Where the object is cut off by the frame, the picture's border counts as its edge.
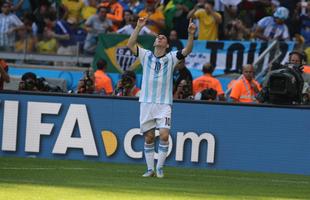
(208, 94)
(126, 81)
(284, 85)
(44, 86)
(88, 82)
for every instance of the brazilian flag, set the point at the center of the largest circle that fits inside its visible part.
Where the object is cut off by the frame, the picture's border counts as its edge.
(113, 49)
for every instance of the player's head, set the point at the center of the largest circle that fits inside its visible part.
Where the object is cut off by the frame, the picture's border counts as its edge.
(161, 41)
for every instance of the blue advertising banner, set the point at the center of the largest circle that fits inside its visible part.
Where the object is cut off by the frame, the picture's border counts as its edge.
(213, 136)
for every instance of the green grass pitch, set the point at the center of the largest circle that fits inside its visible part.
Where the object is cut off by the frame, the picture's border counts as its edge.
(39, 179)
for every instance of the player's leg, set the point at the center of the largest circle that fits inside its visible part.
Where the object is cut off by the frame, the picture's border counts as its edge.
(149, 152)
(147, 126)
(162, 151)
(164, 124)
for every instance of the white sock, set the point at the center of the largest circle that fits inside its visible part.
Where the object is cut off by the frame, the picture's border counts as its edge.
(149, 155)
(162, 153)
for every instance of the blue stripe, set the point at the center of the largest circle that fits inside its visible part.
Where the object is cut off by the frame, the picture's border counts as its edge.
(163, 149)
(163, 86)
(171, 83)
(155, 82)
(148, 150)
(147, 77)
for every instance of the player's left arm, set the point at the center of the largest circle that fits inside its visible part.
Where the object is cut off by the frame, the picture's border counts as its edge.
(189, 46)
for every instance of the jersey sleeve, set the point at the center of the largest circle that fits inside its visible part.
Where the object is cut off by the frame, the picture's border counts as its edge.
(175, 55)
(141, 54)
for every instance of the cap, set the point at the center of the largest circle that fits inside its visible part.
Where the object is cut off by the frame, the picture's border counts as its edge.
(281, 13)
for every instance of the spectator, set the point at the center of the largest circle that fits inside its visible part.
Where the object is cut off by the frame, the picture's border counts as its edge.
(20, 7)
(156, 19)
(73, 9)
(95, 25)
(25, 42)
(4, 76)
(273, 27)
(9, 24)
(89, 10)
(207, 81)
(304, 21)
(126, 86)
(114, 13)
(127, 18)
(48, 44)
(182, 87)
(129, 28)
(175, 43)
(209, 21)
(235, 30)
(176, 16)
(246, 88)
(103, 83)
(60, 30)
(78, 34)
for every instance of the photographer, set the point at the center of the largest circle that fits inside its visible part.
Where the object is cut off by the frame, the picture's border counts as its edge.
(28, 82)
(284, 84)
(86, 84)
(126, 86)
(183, 90)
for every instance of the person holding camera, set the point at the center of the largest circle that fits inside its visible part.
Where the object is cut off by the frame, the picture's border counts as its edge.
(183, 90)
(87, 84)
(207, 81)
(103, 83)
(126, 86)
(284, 84)
(28, 82)
(246, 88)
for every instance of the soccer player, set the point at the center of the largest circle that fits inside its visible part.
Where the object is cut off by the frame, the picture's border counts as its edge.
(156, 92)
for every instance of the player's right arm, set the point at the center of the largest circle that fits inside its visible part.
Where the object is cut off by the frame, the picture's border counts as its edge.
(132, 42)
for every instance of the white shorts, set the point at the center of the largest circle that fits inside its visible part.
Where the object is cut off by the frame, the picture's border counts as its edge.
(154, 116)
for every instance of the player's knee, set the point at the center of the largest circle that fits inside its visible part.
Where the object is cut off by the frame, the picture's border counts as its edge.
(149, 137)
(164, 135)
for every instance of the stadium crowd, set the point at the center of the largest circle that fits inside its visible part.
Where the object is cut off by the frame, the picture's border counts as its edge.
(67, 26)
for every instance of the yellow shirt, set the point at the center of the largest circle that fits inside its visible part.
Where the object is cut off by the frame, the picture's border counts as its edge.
(48, 46)
(88, 11)
(208, 28)
(156, 16)
(74, 8)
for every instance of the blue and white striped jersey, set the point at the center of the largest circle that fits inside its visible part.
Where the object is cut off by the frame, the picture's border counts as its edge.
(157, 78)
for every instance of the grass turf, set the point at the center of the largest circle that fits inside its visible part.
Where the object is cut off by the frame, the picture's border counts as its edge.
(39, 179)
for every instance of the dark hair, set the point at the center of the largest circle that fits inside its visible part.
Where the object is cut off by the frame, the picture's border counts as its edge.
(129, 73)
(211, 2)
(28, 75)
(166, 35)
(300, 55)
(50, 15)
(101, 64)
(207, 68)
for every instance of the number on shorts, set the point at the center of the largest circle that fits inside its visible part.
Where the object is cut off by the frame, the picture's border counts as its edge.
(167, 121)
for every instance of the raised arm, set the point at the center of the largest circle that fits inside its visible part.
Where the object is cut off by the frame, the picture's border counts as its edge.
(132, 42)
(189, 46)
